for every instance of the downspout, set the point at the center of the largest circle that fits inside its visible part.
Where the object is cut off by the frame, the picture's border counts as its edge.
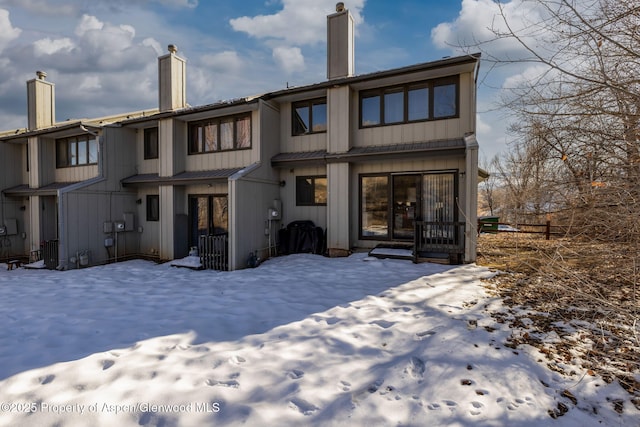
(62, 247)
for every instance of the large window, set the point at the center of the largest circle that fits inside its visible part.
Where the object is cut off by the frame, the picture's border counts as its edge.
(311, 190)
(309, 117)
(76, 151)
(220, 134)
(429, 100)
(151, 143)
(391, 203)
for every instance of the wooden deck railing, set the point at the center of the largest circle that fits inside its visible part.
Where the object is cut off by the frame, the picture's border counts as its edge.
(439, 238)
(213, 250)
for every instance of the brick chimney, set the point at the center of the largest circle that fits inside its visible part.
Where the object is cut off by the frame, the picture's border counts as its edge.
(41, 108)
(340, 44)
(172, 81)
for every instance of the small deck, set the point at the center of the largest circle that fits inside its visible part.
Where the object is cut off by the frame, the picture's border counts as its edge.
(439, 242)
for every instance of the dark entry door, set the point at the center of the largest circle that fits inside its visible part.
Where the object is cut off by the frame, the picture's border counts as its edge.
(208, 215)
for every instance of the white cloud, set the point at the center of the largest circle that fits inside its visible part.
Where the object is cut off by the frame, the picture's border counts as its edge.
(477, 21)
(290, 59)
(88, 23)
(90, 83)
(7, 31)
(223, 62)
(152, 43)
(49, 46)
(300, 22)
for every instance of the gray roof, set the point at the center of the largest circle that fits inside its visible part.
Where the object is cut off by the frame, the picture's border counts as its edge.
(181, 178)
(45, 190)
(356, 154)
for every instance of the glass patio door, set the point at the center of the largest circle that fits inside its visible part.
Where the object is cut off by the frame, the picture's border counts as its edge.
(405, 193)
(208, 215)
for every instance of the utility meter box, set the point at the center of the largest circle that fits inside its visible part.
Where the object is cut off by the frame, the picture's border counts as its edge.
(274, 214)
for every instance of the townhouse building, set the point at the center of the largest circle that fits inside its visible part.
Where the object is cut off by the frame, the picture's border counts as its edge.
(386, 158)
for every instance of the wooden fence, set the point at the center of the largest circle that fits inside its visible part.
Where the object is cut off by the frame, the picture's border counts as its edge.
(546, 229)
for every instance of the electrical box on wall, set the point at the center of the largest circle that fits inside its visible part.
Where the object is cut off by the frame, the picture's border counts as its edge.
(274, 214)
(107, 227)
(128, 221)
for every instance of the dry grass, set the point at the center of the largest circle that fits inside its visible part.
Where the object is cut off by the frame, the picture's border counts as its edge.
(587, 292)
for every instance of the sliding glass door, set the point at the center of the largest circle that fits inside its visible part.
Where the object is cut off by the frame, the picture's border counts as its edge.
(391, 203)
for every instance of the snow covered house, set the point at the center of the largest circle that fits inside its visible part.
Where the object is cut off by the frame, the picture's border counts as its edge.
(377, 159)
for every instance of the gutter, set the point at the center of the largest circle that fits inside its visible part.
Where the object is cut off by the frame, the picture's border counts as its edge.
(62, 247)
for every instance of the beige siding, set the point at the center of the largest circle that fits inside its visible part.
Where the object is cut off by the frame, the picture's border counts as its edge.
(42, 153)
(12, 165)
(338, 108)
(150, 230)
(338, 206)
(12, 173)
(85, 215)
(300, 143)
(249, 227)
(171, 147)
(76, 173)
(291, 212)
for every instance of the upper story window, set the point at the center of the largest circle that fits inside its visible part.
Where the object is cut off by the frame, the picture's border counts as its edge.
(309, 117)
(76, 151)
(428, 100)
(151, 143)
(220, 134)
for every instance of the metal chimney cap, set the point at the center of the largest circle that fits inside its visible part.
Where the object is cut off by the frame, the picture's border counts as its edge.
(41, 75)
(340, 7)
(173, 48)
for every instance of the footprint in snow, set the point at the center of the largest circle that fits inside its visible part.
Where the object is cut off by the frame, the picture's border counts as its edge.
(47, 379)
(477, 406)
(370, 389)
(302, 406)
(106, 364)
(416, 368)
(433, 406)
(237, 360)
(228, 384)
(295, 374)
(384, 324)
(345, 385)
(424, 334)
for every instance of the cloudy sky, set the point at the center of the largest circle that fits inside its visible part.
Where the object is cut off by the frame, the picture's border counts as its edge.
(102, 55)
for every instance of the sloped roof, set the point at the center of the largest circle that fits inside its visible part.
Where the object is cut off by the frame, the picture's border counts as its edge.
(181, 178)
(375, 152)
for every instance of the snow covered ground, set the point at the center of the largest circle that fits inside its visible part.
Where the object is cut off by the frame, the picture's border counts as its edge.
(300, 340)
